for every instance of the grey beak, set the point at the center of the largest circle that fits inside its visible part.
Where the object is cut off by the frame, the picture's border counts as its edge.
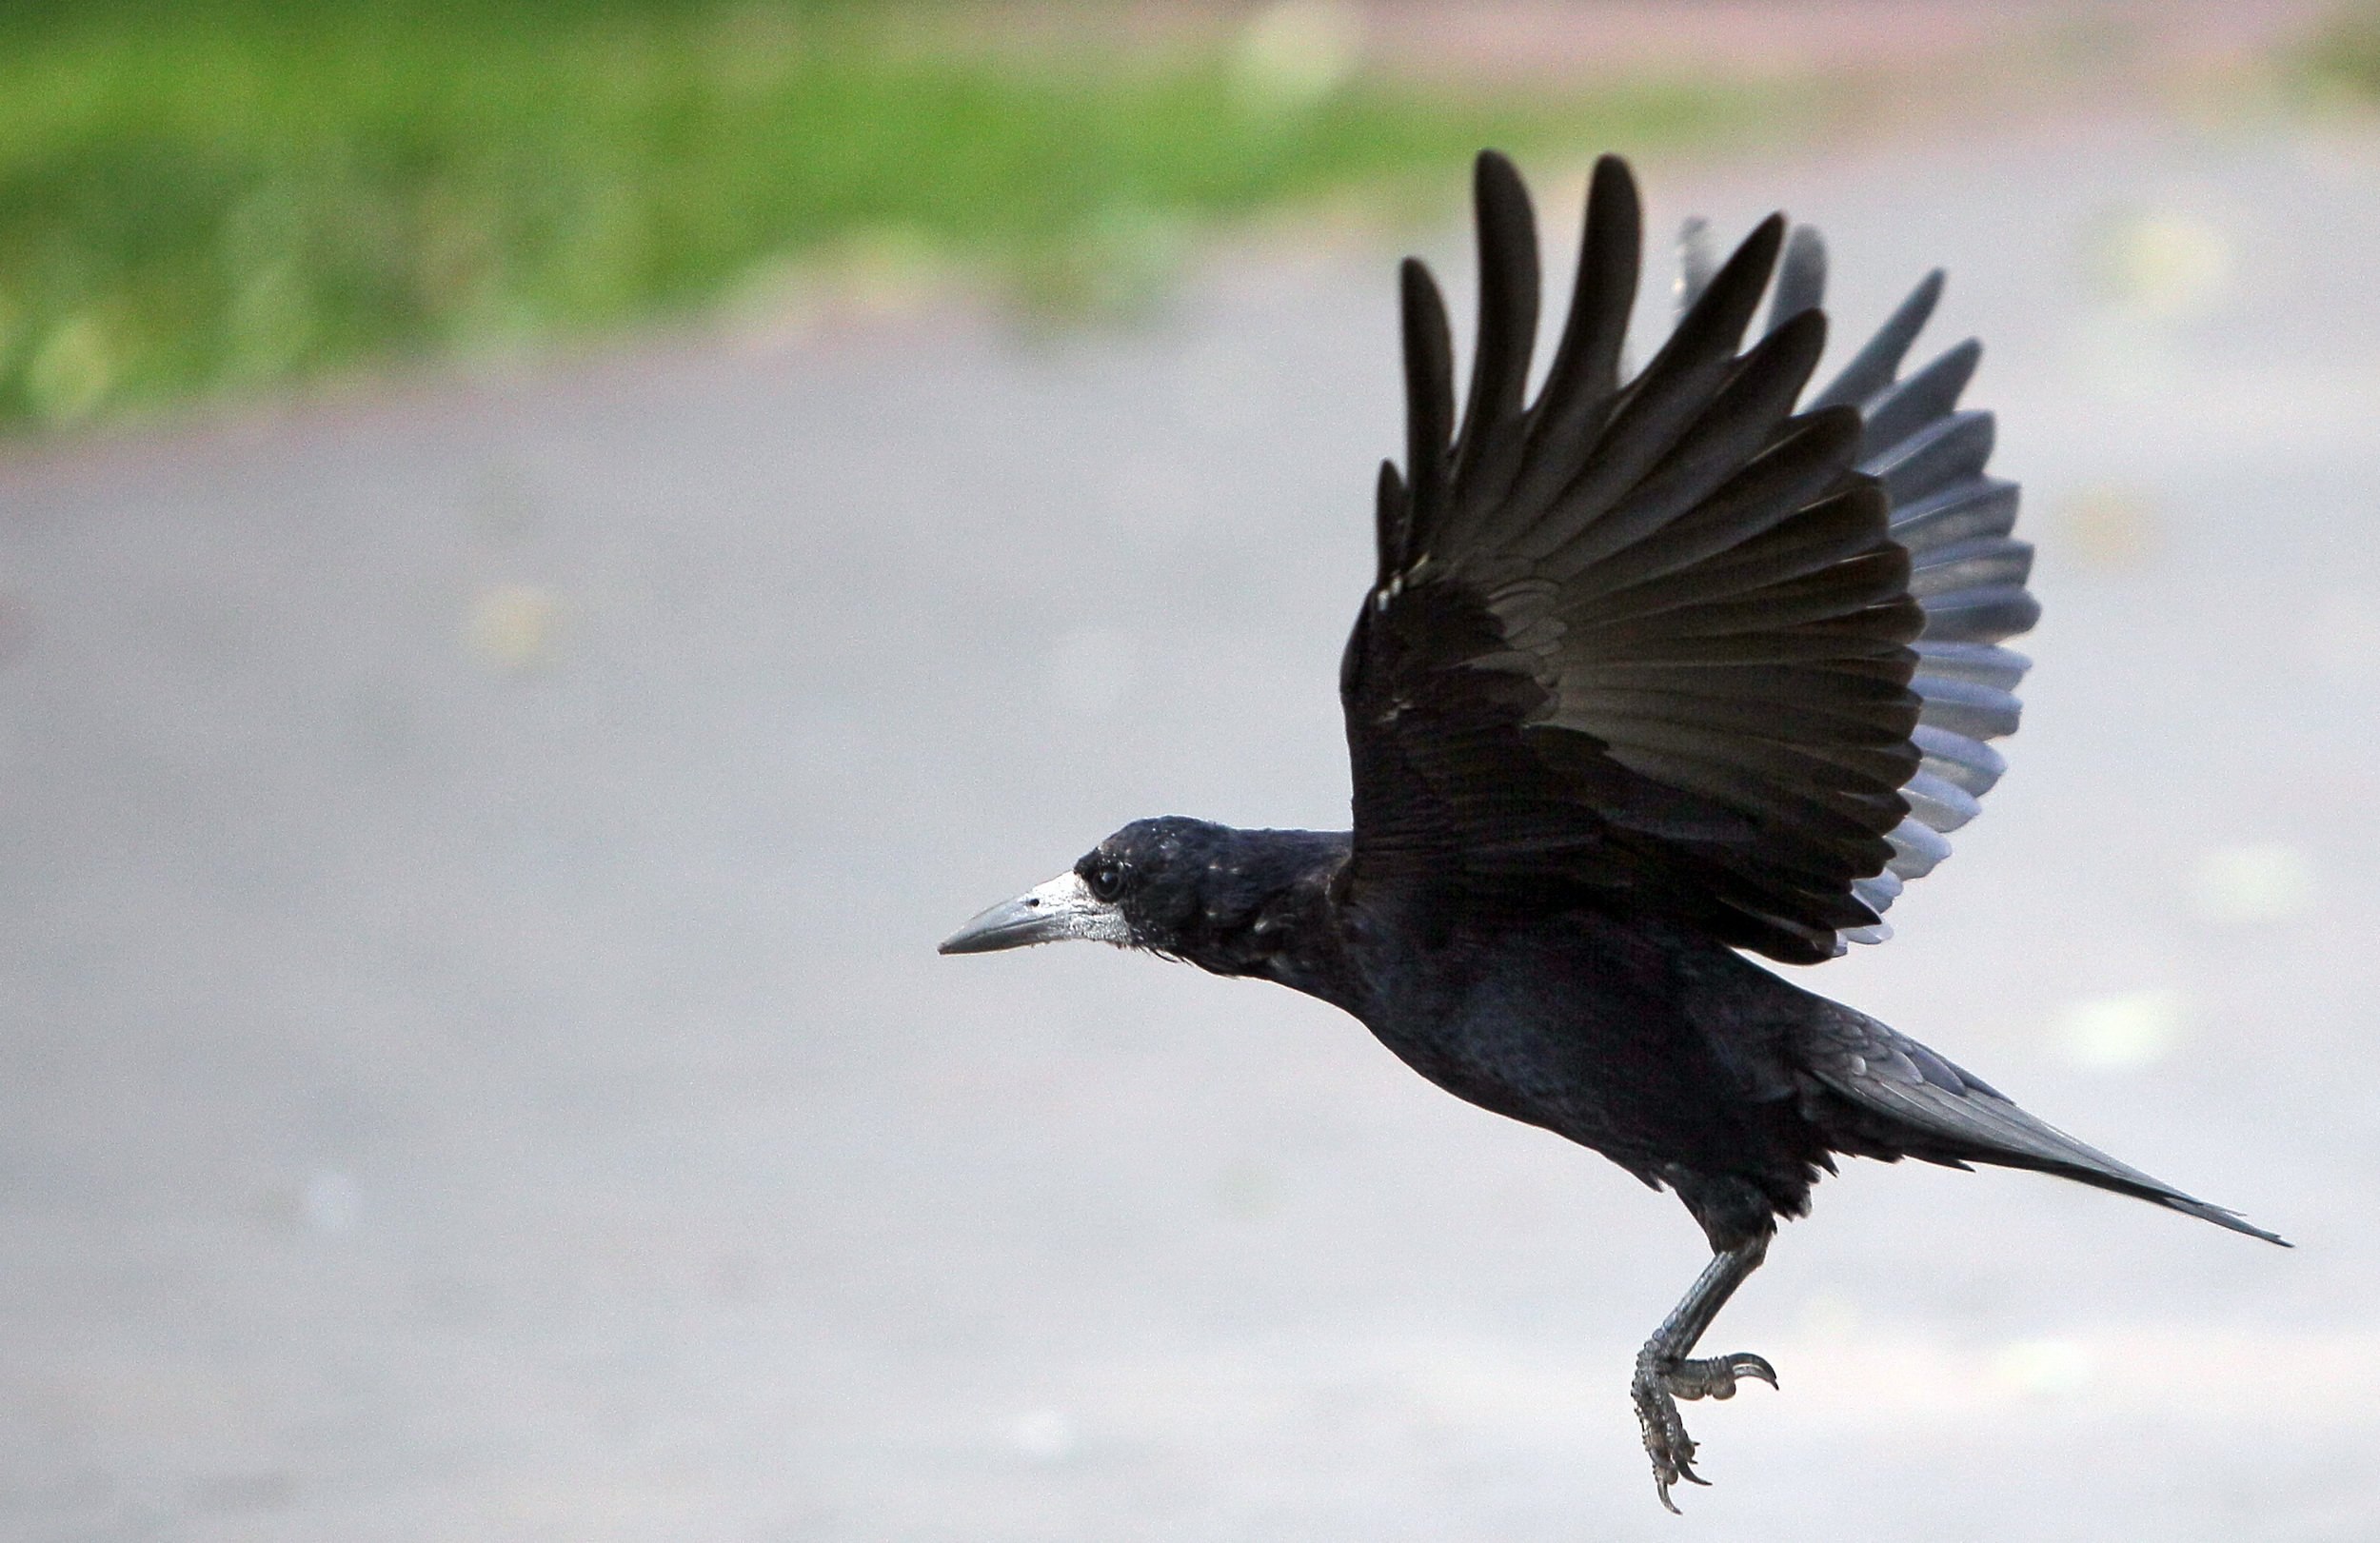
(1009, 924)
(1060, 909)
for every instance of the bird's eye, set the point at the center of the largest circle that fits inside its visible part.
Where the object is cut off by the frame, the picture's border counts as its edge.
(1106, 881)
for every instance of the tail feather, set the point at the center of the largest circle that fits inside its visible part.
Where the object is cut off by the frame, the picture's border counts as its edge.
(2088, 1165)
(1918, 1104)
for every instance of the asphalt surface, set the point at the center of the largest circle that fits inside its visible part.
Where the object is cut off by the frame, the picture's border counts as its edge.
(473, 1063)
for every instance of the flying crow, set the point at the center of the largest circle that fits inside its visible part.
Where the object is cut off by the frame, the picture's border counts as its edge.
(1654, 668)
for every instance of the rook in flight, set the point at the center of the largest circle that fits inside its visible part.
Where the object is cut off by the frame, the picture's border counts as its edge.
(1651, 670)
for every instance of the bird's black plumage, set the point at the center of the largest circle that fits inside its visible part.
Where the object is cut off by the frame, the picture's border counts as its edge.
(1651, 670)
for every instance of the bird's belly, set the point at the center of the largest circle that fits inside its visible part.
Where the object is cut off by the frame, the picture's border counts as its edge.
(1556, 1065)
(1570, 1038)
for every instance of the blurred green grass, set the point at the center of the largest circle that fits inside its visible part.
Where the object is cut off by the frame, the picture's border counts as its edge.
(224, 195)
(2346, 54)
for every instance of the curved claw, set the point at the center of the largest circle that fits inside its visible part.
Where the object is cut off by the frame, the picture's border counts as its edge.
(1715, 1376)
(1659, 1384)
(1666, 1443)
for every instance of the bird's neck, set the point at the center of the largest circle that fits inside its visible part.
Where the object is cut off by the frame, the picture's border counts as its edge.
(1263, 908)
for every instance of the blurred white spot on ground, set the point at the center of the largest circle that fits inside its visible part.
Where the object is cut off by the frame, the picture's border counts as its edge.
(330, 1202)
(2253, 882)
(2108, 528)
(2044, 1368)
(2340, 634)
(1092, 670)
(1046, 1436)
(2123, 1032)
(1297, 52)
(2163, 263)
(511, 626)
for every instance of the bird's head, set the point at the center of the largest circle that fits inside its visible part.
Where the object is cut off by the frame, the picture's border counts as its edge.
(1185, 888)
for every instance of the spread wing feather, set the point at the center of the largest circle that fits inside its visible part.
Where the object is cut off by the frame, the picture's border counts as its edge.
(1668, 642)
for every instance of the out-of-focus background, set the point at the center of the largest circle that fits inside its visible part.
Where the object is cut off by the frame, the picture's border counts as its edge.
(548, 551)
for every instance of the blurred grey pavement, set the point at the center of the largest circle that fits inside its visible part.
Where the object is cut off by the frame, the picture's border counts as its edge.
(474, 1065)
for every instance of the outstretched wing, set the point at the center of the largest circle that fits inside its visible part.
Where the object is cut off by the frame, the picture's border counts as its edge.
(1967, 574)
(1651, 641)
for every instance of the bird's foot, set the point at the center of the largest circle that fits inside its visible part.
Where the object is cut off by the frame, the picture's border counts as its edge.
(1715, 1376)
(1660, 1381)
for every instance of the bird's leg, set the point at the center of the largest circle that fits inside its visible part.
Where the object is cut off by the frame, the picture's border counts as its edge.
(1664, 1374)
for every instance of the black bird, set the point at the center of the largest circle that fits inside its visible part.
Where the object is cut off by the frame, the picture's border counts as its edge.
(1654, 670)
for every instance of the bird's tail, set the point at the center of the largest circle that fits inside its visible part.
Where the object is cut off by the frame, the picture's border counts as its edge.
(1920, 1105)
(2088, 1165)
